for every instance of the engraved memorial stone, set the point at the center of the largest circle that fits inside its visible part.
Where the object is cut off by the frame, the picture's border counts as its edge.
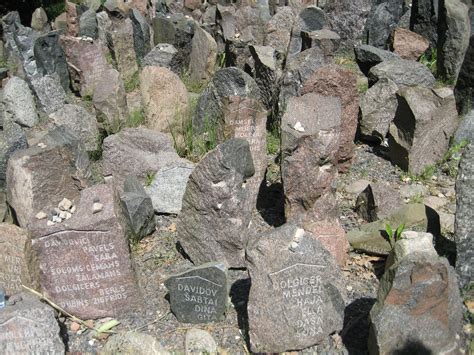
(84, 262)
(297, 296)
(14, 246)
(199, 295)
(28, 326)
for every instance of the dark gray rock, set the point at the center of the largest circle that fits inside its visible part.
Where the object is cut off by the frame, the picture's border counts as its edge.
(88, 24)
(213, 224)
(141, 34)
(418, 306)
(424, 19)
(50, 57)
(347, 18)
(226, 82)
(28, 325)
(137, 208)
(277, 30)
(163, 55)
(424, 121)
(377, 110)
(377, 201)
(19, 103)
(465, 131)
(312, 18)
(369, 56)
(49, 93)
(168, 186)
(297, 296)
(465, 217)
(402, 72)
(199, 295)
(382, 19)
(453, 38)
(267, 73)
(326, 40)
(12, 138)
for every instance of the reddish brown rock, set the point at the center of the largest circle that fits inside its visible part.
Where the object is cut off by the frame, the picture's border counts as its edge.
(332, 236)
(84, 262)
(246, 118)
(72, 19)
(86, 61)
(192, 4)
(408, 44)
(332, 80)
(14, 252)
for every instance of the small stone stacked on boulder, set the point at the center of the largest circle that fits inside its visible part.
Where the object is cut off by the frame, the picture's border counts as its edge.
(199, 295)
(297, 296)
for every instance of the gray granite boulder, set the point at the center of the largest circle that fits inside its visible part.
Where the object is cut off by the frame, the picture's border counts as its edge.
(12, 138)
(464, 90)
(49, 93)
(369, 56)
(297, 296)
(19, 103)
(465, 131)
(465, 217)
(377, 201)
(163, 55)
(141, 34)
(133, 343)
(402, 72)
(213, 225)
(88, 24)
(382, 19)
(424, 19)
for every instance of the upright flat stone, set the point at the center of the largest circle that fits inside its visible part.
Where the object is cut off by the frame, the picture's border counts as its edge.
(163, 55)
(141, 34)
(121, 44)
(19, 103)
(246, 118)
(84, 262)
(199, 295)
(424, 121)
(12, 138)
(297, 296)
(41, 176)
(377, 201)
(213, 221)
(464, 223)
(87, 63)
(424, 19)
(49, 93)
(15, 248)
(402, 72)
(202, 62)
(29, 326)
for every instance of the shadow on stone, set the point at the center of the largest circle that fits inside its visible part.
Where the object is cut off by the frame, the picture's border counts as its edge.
(355, 333)
(181, 250)
(271, 204)
(239, 296)
(413, 347)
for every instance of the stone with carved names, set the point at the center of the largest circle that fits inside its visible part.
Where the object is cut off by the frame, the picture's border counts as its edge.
(199, 295)
(297, 296)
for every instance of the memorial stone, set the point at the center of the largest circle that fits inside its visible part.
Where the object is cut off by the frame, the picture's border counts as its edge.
(199, 295)
(28, 326)
(14, 247)
(84, 262)
(297, 296)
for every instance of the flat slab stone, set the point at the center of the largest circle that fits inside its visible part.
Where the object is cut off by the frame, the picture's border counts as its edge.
(84, 262)
(199, 295)
(28, 326)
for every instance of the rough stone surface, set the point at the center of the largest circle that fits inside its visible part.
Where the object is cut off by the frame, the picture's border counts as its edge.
(104, 24)
(465, 131)
(377, 110)
(326, 40)
(133, 343)
(402, 72)
(121, 45)
(464, 217)
(88, 24)
(141, 34)
(12, 138)
(199, 341)
(84, 262)
(164, 97)
(29, 326)
(411, 242)
(39, 20)
(213, 221)
(377, 201)
(246, 118)
(138, 152)
(418, 307)
(369, 56)
(19, 103)
(137, 208)
(203, 56)
(49, 93)
(163, 55)
(110, 101)
(79, 122)
(86, 61)
(72, 18)
(453, 38)
(267, 73)
(382, 19)
(226, 82)
(14, 253)
(408, 44)
(199, 295)
(335, 81)
(168, 186)
(41, 176)
(424, 121)
(50, 57)
(297, 296)
(424, 19)
(312, 18)
(278, 35)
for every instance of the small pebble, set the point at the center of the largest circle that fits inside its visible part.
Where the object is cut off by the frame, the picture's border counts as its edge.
(349, 288)
(68, 215)
(41, 215)
(63, 214)
(50, 223)
(73, 209)
(65, 204)
(42, 145)
(57, 219)
(294, 245)
(97, 207)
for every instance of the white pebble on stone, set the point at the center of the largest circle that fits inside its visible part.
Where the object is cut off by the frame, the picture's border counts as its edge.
(73, 209)
(97, 207)
(50, 223)
(65, 204)
(41, 215)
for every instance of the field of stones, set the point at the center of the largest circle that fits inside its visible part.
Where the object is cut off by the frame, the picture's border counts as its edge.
(236, 176)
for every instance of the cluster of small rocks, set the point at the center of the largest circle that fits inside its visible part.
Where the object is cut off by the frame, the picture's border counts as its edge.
(63, 212)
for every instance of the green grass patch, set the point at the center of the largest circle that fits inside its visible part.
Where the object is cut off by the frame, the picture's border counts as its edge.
(136, 118)
(273, 140)
(133, 83)
(430, 60)
(194, 86)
